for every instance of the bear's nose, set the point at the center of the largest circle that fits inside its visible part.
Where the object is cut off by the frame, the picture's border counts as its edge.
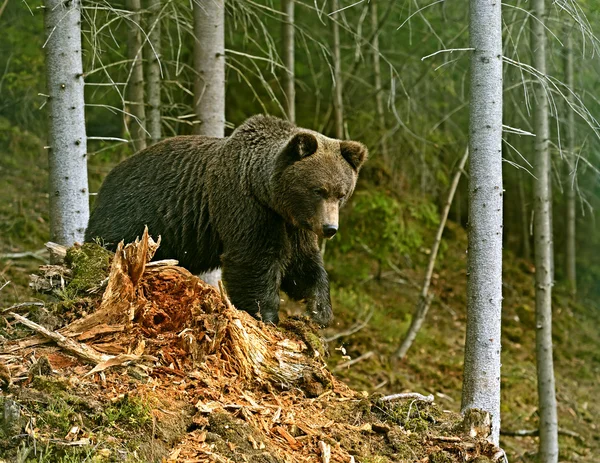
(329, 230)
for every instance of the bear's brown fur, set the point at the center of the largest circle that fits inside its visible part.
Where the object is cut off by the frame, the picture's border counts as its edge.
(254, 203)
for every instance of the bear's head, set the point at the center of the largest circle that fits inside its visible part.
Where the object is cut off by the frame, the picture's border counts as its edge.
(315, 176)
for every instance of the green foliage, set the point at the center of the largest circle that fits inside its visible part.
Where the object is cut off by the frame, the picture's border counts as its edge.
(385, 227)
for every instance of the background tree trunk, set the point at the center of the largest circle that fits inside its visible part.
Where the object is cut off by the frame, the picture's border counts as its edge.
(152, 52)
(548, 447)
(525, 234)
(209, 84)
(377, 79)
(135, 87)
(570, 177)
(67, 153)
(289, 84)
(481, 385)
(209, 64)
(338, 101)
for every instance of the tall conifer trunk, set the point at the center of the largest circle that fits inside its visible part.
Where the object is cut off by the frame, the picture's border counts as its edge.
(135, 87)
(548, 448)
(289, 84)
(481, 387)
(209, 64)
(338, 101)
(152, 52)
(571, 209)
(377, 79)
(67, 152)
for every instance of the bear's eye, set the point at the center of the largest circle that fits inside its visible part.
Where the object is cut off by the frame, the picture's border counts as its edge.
(322, 192)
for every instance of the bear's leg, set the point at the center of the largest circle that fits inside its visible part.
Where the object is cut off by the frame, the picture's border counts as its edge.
(254, 288)
(307, 279)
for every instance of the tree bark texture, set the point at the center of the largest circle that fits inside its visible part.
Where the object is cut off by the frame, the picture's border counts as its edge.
(209, 64)
(377, 79)
(289, 83)
(425, 298)
(548, 446)
(481, 386)
(570, 177)
(135, 86)
(67, 153)
(338, 101)
(152, 52)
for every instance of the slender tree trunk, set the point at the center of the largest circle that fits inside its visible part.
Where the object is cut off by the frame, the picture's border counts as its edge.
(209, 63)
(425, 298)
(548, 449)
(377, 80)
(570, 177)
(67, 152)
(481, 386)
(338, 101)
(526, 247)
(135, 88)
(209, 84)
(289, 84)
(152, 52)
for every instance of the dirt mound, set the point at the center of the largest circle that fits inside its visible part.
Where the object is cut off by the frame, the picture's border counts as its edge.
(156, 365)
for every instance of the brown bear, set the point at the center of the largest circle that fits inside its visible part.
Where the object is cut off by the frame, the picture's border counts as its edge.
(254, 203)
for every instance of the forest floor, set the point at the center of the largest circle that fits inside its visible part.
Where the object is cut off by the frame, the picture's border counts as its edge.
(75, 408)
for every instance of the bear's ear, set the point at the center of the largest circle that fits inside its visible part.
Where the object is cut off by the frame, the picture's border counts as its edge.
(301, 145)
(355, 153)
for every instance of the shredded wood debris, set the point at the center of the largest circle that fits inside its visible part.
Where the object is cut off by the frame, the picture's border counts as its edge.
(222, 386)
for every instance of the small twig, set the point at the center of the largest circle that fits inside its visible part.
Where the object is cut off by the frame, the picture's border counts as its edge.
(353, 329)
(325, 451)
(349, 363)
(446, 438)
(22, 304)
(24, 255)
(536, 432)
(409, 395)
(80, 349)
(4, 285)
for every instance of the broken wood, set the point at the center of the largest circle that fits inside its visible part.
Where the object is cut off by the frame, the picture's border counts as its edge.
(409, 396)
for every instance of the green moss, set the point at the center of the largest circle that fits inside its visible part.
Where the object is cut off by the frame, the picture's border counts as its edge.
(129, 412)
(90, 265)
(440, 457)
(305, 329)
(412, 415)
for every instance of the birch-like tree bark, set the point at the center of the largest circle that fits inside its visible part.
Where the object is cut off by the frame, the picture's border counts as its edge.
(377, 78)
(570, 177)
(152, 55)
(542, 236)
(289, 79)
(481, 386)
(67, 152)
(135, 87)
(209, 64)
(209, 84)
(338, 101)
(425, 298)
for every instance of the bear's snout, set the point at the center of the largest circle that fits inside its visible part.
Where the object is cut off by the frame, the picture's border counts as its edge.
(329, 230)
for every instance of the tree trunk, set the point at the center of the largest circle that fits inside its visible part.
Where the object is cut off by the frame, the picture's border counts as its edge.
(67, 152)
(338, 102)
(209, 64)
(526, 245)
(481, 386)
(548, 449)
(425, 298)
(377, 80)
(135, 86)
(289, 84)
(570, 177)
(153, 71)
(209, 84)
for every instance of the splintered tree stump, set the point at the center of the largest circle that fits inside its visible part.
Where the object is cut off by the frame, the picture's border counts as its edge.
(168, 309)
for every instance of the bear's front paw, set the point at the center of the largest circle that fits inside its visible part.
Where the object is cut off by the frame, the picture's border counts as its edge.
(321, 314)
